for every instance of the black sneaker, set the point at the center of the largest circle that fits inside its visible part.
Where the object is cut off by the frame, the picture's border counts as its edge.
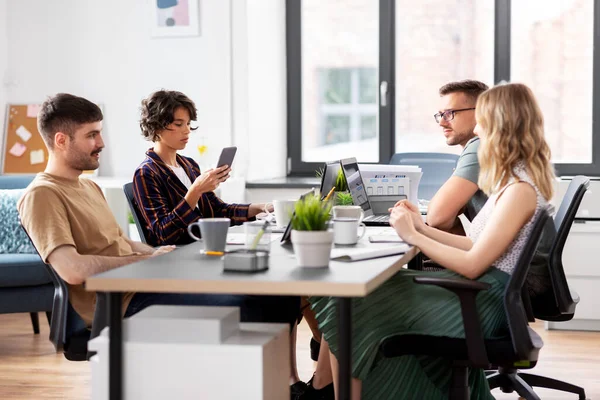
(326, 393)
(315, 347)
(297, 390)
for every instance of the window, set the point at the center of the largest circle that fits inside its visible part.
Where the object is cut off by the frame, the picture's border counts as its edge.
(554, 57)
(437, 42)
(349, 95)
(340, 54)
(348, 106)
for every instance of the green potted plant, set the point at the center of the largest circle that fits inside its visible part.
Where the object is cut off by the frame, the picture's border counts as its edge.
(311, 239)
(133, 232)
(343, 199)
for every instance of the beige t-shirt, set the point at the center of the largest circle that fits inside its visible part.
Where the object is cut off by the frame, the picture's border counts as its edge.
(57, 211)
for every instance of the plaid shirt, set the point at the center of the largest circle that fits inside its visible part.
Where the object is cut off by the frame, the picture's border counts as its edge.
(160, 196)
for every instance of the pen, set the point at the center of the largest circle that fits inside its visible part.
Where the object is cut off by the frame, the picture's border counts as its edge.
(259, 235)
(214, 253)
(329, 194)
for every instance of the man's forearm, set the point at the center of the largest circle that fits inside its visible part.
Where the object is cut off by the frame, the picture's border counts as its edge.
(92, 265)
(140, 247)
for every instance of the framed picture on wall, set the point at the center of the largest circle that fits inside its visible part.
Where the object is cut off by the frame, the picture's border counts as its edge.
(172, 18)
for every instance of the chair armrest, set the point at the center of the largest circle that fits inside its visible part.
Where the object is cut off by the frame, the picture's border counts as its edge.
(467, 291)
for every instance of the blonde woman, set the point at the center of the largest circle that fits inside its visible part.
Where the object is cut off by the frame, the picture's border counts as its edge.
(517, 176)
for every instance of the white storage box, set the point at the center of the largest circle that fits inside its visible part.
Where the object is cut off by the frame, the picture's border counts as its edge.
(189, 352)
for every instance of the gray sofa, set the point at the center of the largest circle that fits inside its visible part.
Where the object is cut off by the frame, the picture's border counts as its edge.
(25, 285)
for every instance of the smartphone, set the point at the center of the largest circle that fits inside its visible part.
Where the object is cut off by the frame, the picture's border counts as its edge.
(227, 155)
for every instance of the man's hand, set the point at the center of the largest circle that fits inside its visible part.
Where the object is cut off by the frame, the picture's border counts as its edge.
(163, 250)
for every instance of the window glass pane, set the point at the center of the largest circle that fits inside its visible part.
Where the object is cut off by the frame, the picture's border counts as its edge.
(368, 127)
(367, 79)
(336, 86)
(340, 57)
(437, 42)
(552, 53)
(337, 129)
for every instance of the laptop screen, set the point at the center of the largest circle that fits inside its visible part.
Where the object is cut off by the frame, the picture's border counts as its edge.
(329, 177)
(288, 229)
(356, 185)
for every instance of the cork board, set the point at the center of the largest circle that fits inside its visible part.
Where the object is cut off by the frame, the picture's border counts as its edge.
(23, 149)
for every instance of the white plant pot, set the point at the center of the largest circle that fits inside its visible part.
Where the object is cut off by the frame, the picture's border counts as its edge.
(312, 248)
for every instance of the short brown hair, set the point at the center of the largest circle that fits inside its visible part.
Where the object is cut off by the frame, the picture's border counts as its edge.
(158, 110)
(64, 112)
(469, 87)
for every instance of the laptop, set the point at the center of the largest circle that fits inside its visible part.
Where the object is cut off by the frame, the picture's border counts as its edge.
(359, 193)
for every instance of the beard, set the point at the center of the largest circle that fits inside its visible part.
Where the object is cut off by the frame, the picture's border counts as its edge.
(459, 137)
(81, 161)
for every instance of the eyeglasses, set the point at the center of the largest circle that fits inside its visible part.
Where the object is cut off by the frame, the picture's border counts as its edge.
(448, 115)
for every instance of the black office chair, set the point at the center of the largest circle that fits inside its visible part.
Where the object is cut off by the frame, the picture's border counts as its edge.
(520, 348)
(556, 305)
(436, 168)
(68, 332)
(137, 216)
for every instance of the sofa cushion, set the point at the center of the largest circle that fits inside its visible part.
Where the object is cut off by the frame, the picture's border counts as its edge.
(14, 239)
(22, 270)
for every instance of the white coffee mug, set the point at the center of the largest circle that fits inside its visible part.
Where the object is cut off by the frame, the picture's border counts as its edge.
(283, 210)
(345, 230)
(348, 212)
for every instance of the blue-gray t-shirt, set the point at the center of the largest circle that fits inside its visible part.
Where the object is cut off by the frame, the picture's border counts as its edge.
(467, 168)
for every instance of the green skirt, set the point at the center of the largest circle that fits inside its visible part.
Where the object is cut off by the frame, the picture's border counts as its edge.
(401, 306)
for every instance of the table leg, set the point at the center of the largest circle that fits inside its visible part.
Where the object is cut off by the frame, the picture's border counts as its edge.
(345, 346)
(115, 346)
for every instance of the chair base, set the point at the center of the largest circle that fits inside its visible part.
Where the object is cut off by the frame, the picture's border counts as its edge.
(510, 380)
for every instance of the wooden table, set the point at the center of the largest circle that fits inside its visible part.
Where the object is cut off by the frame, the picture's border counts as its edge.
(185, 270)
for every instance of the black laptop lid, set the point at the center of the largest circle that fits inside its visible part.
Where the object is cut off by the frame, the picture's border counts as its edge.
(356, 185)
(329, 177)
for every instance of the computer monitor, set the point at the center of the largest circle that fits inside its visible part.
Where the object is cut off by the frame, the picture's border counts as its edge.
(329, 177)
(356, 185)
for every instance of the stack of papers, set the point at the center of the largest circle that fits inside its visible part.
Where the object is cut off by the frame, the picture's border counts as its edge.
(366, 253)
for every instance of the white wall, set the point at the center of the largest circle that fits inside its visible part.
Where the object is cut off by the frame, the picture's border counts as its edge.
(103, 50)
(259, 87)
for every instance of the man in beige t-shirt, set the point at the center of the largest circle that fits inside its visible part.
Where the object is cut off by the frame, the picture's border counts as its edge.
(73, 229)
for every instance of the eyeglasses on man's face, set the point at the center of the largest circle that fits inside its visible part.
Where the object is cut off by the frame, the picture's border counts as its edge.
(448, 115)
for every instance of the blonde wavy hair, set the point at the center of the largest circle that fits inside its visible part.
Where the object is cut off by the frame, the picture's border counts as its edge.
(513, 128)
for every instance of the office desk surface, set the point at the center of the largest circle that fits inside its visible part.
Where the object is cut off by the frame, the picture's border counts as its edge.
(185, 270)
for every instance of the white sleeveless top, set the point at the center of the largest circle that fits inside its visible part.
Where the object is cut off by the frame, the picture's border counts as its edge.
(508, 260)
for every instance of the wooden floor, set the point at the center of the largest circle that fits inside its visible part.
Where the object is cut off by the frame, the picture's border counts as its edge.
(29, 368)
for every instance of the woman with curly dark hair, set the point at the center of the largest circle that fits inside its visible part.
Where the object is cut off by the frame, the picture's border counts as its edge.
(170, 189)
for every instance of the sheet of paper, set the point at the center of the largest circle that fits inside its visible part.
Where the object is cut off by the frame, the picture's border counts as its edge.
(33, 110)
(36, 156)
(361, 253)
(23, 133)
(18, 149)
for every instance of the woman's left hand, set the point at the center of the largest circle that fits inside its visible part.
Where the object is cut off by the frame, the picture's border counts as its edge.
(402, 221)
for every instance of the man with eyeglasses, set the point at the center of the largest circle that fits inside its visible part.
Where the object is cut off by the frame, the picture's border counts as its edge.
(459, 194)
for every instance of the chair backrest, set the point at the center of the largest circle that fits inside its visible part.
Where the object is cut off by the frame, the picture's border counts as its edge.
(15, 181)
(436, 168)
(60, 306)
(563, 221)
(516, 313)
(135, 211)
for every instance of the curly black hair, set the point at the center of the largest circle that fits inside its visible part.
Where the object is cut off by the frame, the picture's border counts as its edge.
(158, 110)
